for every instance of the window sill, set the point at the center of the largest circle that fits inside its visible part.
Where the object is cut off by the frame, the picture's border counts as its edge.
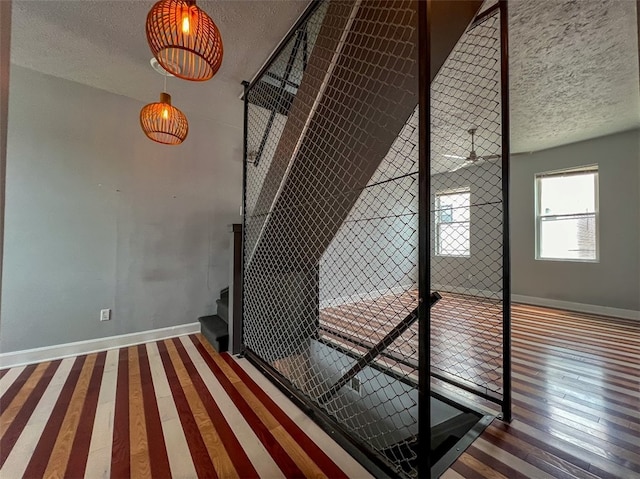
(568, 260)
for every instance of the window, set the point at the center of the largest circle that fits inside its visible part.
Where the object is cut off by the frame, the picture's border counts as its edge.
(452, 214)
(567, 215)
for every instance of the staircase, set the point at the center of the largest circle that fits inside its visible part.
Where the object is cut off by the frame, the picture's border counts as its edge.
(215, 328)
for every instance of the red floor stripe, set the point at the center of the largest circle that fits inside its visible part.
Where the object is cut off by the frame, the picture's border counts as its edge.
(15, 387)
(199, 454)
(80, 447)
(121, 450)
(155, 438)
(237, 454)
(315, 453)
(12, 433)
(279, 454)
(40, 458)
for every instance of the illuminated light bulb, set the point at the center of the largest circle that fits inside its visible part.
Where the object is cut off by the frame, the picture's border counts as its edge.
(185, 23)
(165, 113)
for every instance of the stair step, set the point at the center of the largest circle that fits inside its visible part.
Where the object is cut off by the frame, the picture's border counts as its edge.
(223, 310)
(216, 331)
(224, 295)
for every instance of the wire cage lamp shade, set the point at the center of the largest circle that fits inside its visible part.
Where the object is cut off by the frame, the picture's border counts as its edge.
(164, 123)
(184, 39)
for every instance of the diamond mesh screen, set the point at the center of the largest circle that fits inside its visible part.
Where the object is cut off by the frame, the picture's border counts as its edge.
(331, 217)
(467, 212)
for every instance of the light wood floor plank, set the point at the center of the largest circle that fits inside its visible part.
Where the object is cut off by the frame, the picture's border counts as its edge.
(180, 461)
(140, 466)
(99, 460)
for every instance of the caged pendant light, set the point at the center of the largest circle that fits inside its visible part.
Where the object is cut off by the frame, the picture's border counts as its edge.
(184, 39)
(164, 123)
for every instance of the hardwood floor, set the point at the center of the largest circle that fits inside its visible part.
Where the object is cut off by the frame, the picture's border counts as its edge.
(176, 408)
(576, 382)
(173, 408)
(576, 401)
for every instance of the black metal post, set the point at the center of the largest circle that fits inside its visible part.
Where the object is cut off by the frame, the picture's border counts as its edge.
(235, 346)
(424, 234)
(506, 237)
(245, 132)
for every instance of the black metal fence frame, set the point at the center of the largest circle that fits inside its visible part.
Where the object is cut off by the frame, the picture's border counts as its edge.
(377, 465)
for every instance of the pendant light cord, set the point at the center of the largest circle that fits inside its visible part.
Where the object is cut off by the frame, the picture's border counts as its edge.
(165, 83)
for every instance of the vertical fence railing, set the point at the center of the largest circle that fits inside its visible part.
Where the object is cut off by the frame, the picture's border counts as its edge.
(424, 279)
(354, 210)
(506, 236)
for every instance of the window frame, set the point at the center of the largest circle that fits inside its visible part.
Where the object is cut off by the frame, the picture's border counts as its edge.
(437, 222)
(587, 169)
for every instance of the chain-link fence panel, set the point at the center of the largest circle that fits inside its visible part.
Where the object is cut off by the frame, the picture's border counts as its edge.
(331, 219)
(467, 264)
(368, 286)
(330, 244)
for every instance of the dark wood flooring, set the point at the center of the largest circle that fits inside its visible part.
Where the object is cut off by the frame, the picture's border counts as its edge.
(576, 382)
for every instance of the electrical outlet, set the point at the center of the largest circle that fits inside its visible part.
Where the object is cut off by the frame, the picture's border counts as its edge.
(105, 314)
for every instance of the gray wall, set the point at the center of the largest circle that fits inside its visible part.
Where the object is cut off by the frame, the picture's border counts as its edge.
(98, 216)
(375, 250)
(5, 55)
(481, 272)
(615, 280)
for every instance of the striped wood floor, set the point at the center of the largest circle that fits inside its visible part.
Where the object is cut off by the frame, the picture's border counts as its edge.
(174, 408)
(576, 408)
(576, 382)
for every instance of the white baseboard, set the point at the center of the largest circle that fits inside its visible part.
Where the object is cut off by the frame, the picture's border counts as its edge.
(579, 307)
(356, 298)
(48, 353)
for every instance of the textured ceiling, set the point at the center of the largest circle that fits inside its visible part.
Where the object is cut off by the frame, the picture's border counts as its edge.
(573, 70)
(103, 44)
(573, 65)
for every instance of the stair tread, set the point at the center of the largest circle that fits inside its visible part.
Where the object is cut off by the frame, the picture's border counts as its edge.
(214, 324)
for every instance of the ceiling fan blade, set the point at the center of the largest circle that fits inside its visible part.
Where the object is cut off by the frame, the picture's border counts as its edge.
(455, 157)
(490, 157)
(462, 165)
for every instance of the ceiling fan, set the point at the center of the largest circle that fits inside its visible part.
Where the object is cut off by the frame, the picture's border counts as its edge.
(473, 158)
